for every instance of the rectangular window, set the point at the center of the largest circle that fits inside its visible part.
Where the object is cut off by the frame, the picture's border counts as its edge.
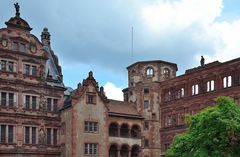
(49, 139)
(11, 99)
(210, 86)
(10, 134)
(22, 47)
(27, 69)
(195, 89)
(168, 120)
(34, 70)
(146, 104)
(146, 91)
(49, 104)
(34, 136)
(146, 143)
(27, 135)
(55, 105)
(90, 99)
(3, 99)
(90, 149)
(10, 66)
(34, 103)
(3, 133)
(55, 136)
(90, 126)
(146, 125)
(27, 101)
(15, 46)
(3, 65)
(227, 81)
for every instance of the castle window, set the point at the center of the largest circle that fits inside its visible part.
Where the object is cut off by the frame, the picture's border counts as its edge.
(90, 127)
(227, 81)
(7, 99)
(195, 89)
(30, 135)
(210, 86)
(6, 133)
(168, 120)
(146, 91)
(91, 99)
(146, 125)
(146, 104)
(168, 96)
(90, 149)
(52, 104)
(49, 136)
(27, 135)
(16, 46)
(30, 102)
(52, 136)
(30, 70)
(7, 65)
(149, 71)
(166, 73)
(180, 93)
(146, 143)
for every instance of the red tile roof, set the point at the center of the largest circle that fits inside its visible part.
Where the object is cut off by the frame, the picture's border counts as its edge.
(122, 108)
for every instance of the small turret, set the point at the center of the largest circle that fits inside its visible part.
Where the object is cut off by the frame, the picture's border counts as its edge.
(45, 37)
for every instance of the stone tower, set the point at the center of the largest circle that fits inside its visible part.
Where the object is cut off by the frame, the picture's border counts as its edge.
(144, 84)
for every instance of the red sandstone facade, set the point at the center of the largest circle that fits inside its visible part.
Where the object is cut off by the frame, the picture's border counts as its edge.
(31, 91)
(195, 90)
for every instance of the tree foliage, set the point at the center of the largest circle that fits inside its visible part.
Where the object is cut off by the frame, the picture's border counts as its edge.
(213, 132)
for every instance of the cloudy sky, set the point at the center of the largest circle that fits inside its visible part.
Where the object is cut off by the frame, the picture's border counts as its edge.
(96, 35)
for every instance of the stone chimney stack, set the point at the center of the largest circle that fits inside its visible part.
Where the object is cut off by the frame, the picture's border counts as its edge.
(45, 37)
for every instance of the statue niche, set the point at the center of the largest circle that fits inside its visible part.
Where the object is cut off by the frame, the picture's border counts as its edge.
(42, 103)
(42, 135)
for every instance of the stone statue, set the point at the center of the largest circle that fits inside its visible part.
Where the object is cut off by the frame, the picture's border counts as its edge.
(41, 136)
(42, 103)
(202, 61)
(17, 7)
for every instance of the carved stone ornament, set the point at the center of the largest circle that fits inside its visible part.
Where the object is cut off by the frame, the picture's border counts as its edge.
(4, 42)
(42, 135)
(33, 48)
(42, 103)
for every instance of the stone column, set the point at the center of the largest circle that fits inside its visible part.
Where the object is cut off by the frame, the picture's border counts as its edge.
(129, 133)
(118, 153)
(129, 153)
(119, 128)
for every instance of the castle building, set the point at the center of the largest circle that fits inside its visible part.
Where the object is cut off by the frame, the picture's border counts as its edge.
(40, 118)
(193, 91)
(31, 92)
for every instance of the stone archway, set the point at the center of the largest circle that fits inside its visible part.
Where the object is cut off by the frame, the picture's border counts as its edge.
(113, 150)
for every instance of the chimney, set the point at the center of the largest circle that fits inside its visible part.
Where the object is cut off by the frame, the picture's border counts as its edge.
(45, 37)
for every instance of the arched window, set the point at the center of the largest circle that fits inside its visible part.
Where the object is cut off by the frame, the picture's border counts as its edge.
(149, 71)
(113, 129)
(166, 73)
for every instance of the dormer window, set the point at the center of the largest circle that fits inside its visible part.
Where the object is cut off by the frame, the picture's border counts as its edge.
(16, 46)
(149, 71)
(166, 73)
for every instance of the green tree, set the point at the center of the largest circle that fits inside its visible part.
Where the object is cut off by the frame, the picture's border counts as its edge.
(213, 132)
